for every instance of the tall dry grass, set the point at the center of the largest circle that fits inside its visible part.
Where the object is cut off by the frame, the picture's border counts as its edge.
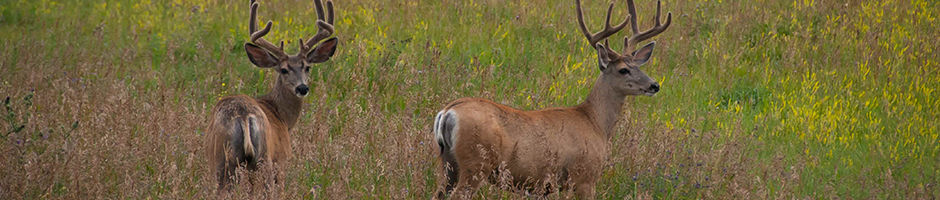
(761, 99)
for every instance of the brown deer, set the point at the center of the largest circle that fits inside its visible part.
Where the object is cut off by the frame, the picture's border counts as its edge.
(251, 132)
(551, 149)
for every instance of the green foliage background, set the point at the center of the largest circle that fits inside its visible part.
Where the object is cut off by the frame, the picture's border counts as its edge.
(760, 98)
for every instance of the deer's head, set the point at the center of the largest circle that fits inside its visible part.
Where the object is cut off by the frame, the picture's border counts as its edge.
(293, 70)
(622, 71)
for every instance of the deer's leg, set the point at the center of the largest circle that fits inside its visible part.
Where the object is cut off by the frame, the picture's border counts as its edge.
(252, 181)
(226, 173)
(468, 182)
(584, 190)
(275, 179)
(470, 174)
(449, 167)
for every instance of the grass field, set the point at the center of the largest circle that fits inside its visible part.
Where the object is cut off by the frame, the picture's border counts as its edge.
(760, 99)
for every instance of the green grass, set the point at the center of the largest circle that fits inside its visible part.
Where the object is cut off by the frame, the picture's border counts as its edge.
(760, 99)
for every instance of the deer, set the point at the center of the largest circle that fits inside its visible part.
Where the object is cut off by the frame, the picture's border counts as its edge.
(551, 149)
(253, 132)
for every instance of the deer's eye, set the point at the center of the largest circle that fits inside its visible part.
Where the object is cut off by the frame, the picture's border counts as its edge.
(283, 71)
(307, 69)
(625, 71)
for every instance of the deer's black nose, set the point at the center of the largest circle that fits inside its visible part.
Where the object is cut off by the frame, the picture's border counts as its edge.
(302, 89)
(654, 88)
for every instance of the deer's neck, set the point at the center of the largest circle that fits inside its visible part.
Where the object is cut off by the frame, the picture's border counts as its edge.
(285, 104)
(603, 106)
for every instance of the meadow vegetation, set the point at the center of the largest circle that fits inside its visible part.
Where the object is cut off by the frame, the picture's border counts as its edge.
(760, 98)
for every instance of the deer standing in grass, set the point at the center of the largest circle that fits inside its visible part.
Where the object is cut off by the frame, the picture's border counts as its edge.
(550, 149)
(254, 132)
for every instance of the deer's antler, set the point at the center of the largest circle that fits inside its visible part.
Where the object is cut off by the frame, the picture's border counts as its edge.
(603, 34)
(629, 42)
(324, 25)
(256, 35)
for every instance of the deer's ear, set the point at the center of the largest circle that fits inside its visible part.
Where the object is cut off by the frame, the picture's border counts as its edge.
(323, 51)
(643, 54)
(603, 56)
(260, 57)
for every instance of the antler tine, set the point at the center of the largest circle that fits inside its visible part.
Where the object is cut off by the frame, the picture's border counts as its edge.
(253, 22)
(603, 34)
(632, 10)
(264, 31)
(329, 9)
(584, 29)
(324, 24)
(637, 37)
(256, 35)
(319, 7)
